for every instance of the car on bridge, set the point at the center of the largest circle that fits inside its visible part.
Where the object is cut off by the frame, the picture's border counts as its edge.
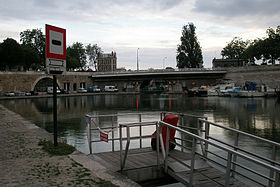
(110, 89)
(82, 90)
(93, 89)
(10, 94)
(50, 90)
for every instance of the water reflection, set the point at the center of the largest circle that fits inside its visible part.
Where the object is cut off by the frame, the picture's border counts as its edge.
(258, 116)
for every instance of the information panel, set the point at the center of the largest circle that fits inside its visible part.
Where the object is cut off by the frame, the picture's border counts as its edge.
(55, 50)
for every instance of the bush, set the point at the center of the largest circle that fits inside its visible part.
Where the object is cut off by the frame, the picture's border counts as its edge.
(62, 148)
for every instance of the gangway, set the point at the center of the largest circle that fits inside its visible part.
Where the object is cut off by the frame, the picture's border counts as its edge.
(200, 157)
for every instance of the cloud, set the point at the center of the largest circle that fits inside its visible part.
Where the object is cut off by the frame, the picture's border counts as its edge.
(153, 26)
(236, 8)
(247, 13)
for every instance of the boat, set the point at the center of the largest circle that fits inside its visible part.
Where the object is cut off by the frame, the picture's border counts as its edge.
(193, 91)
(222, 89)
(251, 89)
(226, 89)
(251, 93)
(203, 91)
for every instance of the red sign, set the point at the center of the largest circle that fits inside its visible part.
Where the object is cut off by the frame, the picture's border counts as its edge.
(103, 137)
(55, 42)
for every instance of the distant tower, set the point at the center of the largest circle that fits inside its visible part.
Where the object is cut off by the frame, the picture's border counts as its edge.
(107, 62)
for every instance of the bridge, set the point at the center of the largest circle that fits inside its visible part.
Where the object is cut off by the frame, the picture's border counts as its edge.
(171, 81)
(125, 81)
(132, 81)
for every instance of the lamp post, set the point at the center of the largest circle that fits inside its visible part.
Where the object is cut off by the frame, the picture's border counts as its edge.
(137, 60)
(163, 60)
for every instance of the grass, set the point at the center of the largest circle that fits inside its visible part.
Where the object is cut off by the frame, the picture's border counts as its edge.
(104, 183)
(62, 148)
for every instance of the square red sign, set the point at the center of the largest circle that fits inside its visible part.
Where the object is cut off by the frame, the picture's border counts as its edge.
(55, 42)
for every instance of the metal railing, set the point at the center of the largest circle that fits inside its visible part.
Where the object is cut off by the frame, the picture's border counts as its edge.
(271, 160)
(114, 125)
(202, 144)
(231, 155)
(138, 118)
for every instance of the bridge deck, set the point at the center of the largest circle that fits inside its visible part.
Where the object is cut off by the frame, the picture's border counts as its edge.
(204, 174)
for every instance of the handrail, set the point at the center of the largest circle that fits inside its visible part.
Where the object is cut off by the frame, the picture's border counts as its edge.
(115, 126)
(218, 146)
(229, 151)
(233, 151)
(240, 132)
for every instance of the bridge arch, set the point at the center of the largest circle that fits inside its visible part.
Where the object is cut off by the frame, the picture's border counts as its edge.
(41, 83)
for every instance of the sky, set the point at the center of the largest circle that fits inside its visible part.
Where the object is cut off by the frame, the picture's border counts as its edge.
(153, 26)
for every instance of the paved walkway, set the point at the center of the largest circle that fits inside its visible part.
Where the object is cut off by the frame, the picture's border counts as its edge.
(24, 163)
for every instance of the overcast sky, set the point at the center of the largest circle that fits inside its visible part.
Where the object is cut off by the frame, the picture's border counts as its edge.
(153, 26)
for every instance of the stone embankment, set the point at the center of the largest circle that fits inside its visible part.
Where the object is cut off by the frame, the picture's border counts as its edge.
(24, 163)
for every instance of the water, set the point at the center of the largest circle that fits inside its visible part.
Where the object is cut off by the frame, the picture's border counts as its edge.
(259, 116)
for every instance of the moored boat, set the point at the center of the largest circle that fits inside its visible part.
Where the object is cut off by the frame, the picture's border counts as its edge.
(251, 93)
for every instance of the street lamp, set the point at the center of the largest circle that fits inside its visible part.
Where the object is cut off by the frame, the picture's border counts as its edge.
(163, 60)
(137, 61)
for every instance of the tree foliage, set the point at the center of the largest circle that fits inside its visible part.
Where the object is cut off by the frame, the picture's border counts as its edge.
(92, 52)
(31, 53)
(75, 56)
(189, 54)
(235, 49)
(11, 54)
(267, 48)
(36, 42)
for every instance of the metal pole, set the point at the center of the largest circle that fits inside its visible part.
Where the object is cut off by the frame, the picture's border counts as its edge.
(271, 173)
(140, 130)
(228, 170)
(192, 161)
(113, 137)
(163, 65)
(54, 112)
(89, 137)
(157, 143)
(182, 123)
(137, 61)
(235, 156)
(207, 131)
(166, 149)
(120, 129)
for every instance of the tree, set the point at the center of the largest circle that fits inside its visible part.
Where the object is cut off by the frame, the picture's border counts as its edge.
(91, 52)
(267, 48)
(75, 56)
(235, 49)
(31, 58)
(35, 39)
(11, 54)
(189, 54)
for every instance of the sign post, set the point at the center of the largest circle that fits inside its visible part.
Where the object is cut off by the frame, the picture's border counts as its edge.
(55, 63)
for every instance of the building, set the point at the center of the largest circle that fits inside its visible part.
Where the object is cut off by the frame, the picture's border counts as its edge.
(107, 62)
(228, 63)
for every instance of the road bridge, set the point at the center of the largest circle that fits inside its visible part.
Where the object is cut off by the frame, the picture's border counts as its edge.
(131, 81)
(171, 81)
(126, 81)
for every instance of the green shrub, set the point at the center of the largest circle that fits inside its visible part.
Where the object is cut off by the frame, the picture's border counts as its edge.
(62, 148)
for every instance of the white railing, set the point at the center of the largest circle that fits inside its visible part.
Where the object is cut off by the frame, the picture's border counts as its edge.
(137, 118)
(231, 154)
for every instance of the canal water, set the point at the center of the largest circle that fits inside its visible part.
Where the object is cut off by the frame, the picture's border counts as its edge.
(258, 116)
